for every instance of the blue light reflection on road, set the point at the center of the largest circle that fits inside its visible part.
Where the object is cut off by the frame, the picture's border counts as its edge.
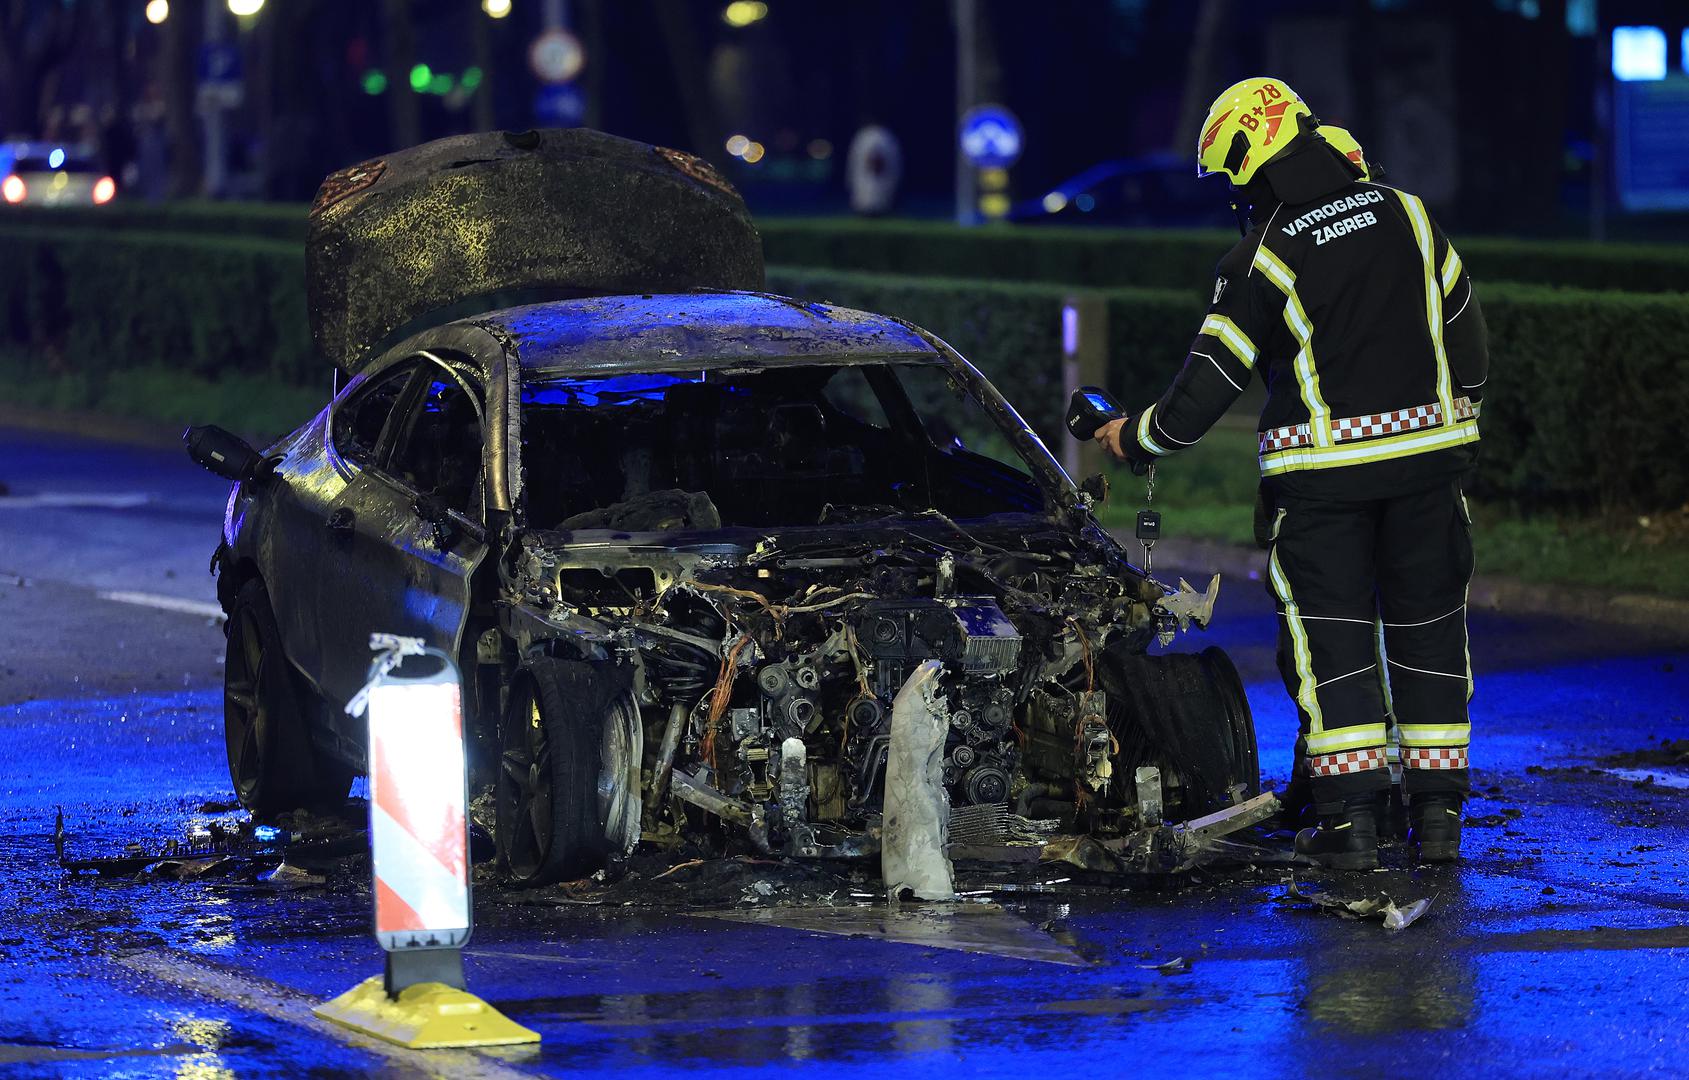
(1500, 966)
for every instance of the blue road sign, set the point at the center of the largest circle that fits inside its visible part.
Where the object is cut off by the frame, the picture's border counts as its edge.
(219, 63)
(560, 105)
(990, 136)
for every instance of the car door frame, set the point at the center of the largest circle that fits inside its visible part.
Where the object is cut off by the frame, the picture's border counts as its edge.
(294, 540)
(387, 537)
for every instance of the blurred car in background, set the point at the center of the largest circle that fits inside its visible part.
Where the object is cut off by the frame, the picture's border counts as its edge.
(48, 174)
(1153, 189)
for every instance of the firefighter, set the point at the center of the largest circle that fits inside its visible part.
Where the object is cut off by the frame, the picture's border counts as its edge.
(1360, 318)
(1340, 140)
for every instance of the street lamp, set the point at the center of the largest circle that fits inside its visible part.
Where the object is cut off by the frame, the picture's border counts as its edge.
(742, 13)
(245, 7)
(158, 11)
(496, 9)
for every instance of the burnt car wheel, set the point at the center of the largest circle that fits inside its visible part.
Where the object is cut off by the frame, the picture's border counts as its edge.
(1187, 713)
(568, 786)
(1245, 752)
(265, 715)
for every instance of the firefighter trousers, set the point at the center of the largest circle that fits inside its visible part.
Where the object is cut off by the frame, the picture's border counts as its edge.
(1371, 597)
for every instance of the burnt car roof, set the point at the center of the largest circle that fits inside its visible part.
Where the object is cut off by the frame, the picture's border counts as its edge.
(689, 331)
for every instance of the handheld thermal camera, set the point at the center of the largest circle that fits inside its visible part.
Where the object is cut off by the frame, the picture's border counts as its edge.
(1089, 409)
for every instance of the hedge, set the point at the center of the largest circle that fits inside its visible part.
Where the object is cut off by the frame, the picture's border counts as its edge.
(1169, 258)
(1583, 407)
(1586, 399)
(92, 302)
(200, 217)
(1077, 257)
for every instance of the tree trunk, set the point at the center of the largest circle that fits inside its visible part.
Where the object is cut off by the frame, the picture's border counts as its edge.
(1200, 90)
(179, 77)
(405, 131)
(481, 41)
(686, 64)
(597, 54)
(35, 41)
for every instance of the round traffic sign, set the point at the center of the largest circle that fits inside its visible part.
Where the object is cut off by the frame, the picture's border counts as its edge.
(556, 56)
(990, 136)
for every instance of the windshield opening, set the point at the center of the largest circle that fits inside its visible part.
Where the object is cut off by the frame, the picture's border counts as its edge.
(782, 447)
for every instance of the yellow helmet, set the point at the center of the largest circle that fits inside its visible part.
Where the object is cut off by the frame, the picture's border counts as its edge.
(1347, 145)
(1246, 127)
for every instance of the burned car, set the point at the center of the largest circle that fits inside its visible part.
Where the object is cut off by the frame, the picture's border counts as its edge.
(687, 547)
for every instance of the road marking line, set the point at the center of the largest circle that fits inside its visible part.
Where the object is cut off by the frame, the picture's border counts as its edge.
(27, 1054)
(292, 1007)
(72, 501)
(203, 608)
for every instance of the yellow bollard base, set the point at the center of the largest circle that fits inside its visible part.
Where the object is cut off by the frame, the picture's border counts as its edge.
(426, 1016)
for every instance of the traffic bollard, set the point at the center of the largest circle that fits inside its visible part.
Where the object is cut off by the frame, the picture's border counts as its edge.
(419, 841)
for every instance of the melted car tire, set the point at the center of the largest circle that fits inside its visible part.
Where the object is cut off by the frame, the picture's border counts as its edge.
(1187, 711)
(272, 764)
(1240, 721)
(550, 826)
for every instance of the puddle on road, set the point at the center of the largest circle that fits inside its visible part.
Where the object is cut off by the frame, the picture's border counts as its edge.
(983, 928)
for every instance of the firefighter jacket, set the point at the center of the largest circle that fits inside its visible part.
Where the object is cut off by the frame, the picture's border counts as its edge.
(1356, 311)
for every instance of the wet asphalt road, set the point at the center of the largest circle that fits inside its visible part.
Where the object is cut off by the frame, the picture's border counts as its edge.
(1561, 947)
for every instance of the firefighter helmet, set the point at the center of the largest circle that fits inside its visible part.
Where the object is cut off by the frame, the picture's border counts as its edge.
(1347, 145)
(1247, 126)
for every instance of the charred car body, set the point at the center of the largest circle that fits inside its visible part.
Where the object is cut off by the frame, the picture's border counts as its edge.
(687, 547)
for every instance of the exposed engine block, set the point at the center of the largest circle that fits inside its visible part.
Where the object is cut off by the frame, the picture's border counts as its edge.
(968, 631)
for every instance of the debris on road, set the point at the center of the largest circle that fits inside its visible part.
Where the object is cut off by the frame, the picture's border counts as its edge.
(285, 875)
(1400, 918)
(1669, 752)
(1394, 916)
(1665, 765)
(1483, 821)
(236, 848)
(1172, 849)
(189, 869)
(1002, 853)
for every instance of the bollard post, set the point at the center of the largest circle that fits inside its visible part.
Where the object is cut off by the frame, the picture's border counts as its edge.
(1084, 362)
(419, 844)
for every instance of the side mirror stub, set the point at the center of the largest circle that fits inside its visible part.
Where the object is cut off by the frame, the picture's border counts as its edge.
(224, 453)
(1096, 486)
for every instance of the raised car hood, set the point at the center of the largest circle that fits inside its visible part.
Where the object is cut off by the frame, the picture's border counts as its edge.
(472, 222)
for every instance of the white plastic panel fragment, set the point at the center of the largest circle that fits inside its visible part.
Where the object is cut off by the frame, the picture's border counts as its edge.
(917, 809)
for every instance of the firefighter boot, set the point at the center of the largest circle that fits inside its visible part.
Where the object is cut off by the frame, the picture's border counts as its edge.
(1435, 834)
(1346, 840)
